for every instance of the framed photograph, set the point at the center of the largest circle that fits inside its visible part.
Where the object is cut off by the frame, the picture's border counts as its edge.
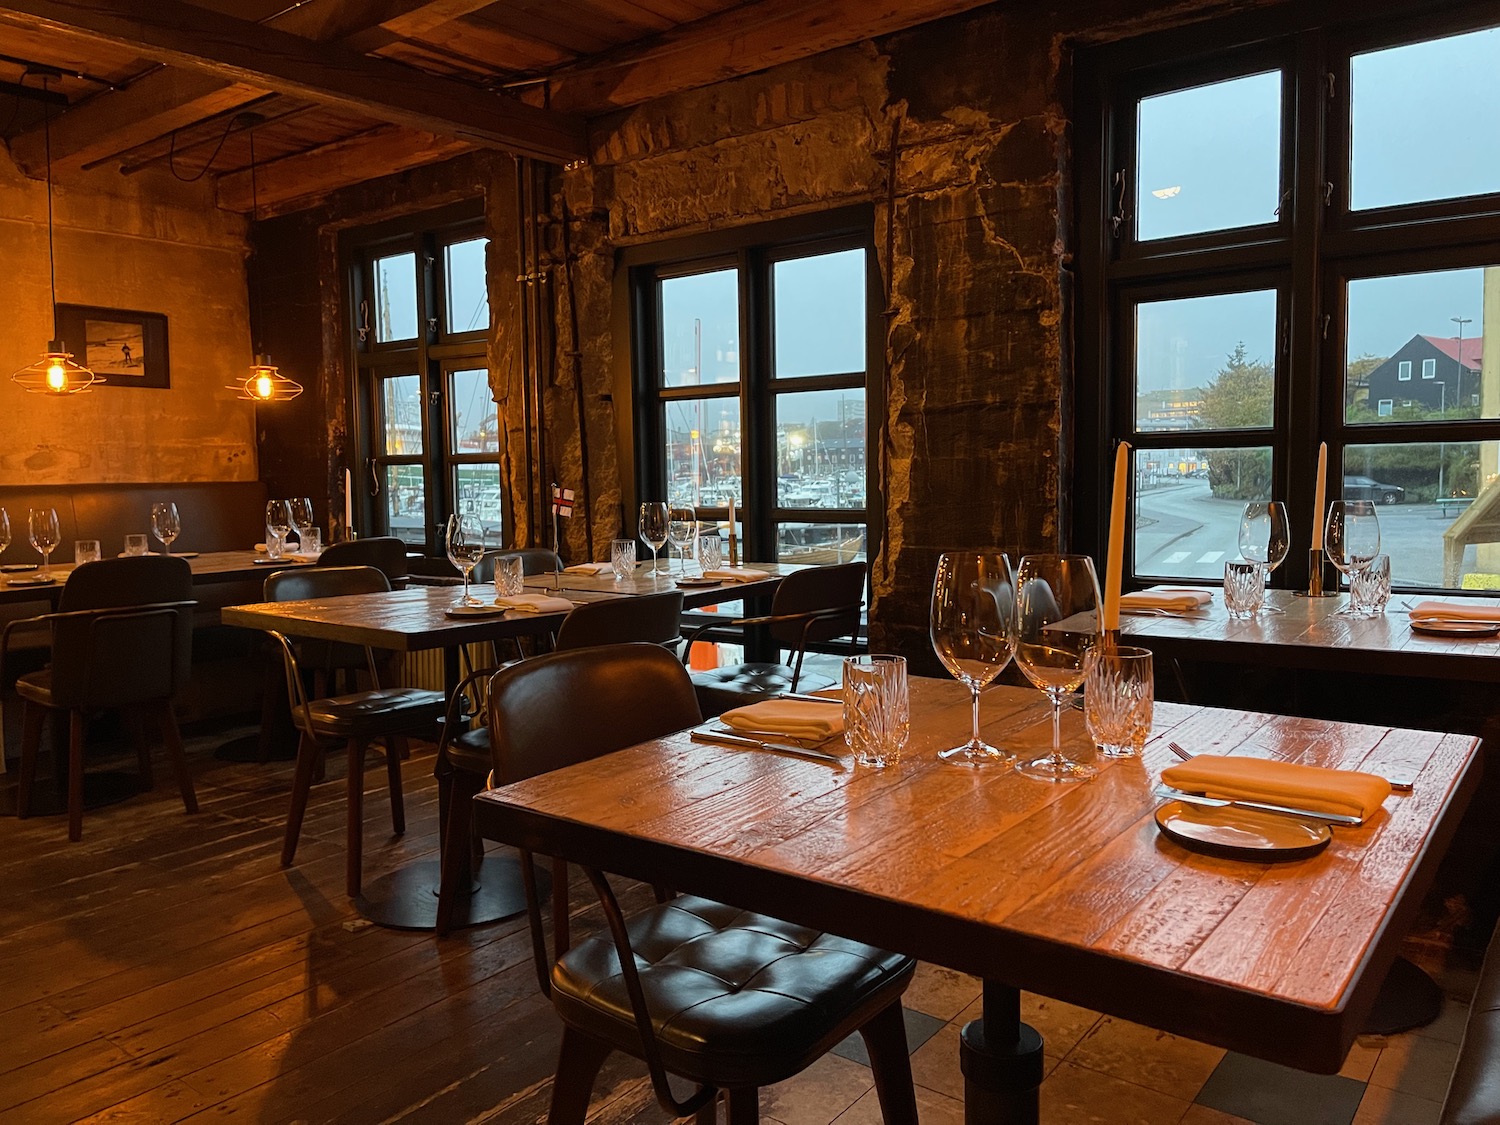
(123, 347)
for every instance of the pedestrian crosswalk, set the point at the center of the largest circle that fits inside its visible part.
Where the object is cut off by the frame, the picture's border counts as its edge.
(1183, 556)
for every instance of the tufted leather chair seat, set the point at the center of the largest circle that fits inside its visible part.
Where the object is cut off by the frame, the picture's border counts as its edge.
(470, 751)
(1474, 1090)
(735, 685)
(371, 713)
(736, 999)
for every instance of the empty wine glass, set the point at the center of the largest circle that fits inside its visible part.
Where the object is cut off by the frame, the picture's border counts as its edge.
(654, 529)
(1351, 537)
(303, 518)
(278, 527)
(164, 523)
(1057, 623)
(4, 531)
(682, 529)
(972, 619)
(41, 527)
(1265, 537)
(465, 542)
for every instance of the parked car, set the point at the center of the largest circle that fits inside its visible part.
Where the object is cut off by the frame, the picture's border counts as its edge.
(1363, 488)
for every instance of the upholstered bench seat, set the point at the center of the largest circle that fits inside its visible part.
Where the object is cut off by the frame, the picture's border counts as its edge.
(720, 689)
(737, 999)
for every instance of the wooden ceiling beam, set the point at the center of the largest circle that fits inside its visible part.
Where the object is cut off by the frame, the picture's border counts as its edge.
(236, 62)
(736, 42)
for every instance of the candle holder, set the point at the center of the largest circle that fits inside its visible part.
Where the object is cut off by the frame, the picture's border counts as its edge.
(1317, 574)
(1109, 639)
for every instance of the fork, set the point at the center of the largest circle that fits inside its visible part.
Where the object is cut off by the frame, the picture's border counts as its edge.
(1179, 751)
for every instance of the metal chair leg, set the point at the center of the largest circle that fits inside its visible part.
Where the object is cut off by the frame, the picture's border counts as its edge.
(308, 754)
(356, 813)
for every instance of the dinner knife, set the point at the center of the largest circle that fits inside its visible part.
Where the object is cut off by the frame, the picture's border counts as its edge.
(1218, 803)
(773, 747)
(811, 698)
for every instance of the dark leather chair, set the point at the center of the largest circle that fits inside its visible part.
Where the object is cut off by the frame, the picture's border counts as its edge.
(463, 758)
(722, 997)
(122, 640)
(1474, 1089)
(355, 719)
(810, 606)
(385, 553)
(534, 560)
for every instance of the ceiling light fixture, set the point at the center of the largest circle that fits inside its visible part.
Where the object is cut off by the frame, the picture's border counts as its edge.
(265, 383)
(55, 373)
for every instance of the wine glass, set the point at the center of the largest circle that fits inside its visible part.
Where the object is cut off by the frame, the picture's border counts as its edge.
(4, 531)
(1351, 537)
(973, 614)
(1265, 536)
(41, 527)
(303, 519)
(1057, 624)
(654, 529)
(278, 527)
(465, 542)
(164, 523)
(682, 529)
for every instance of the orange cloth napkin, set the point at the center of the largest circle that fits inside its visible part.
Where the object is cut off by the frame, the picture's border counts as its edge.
(589, 568)
(1455, 611)
(794, 718)
(1182, 599)
(737, 574)
(535, 603)
(1313, 788)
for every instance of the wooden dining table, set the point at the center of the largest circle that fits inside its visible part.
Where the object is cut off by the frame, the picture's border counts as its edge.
(1066, 890)
(209, 568)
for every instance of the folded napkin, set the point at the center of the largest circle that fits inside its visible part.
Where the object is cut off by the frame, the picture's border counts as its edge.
(1313, 788)
(793, 718)
(535, 603)
(1179, 598)
(301, 556)
(589, 568)
(737, 574)
(1455, 611)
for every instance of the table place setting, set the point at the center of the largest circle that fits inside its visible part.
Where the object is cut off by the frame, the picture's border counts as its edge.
(1166, 601)
(1456, 619)
(799, 727)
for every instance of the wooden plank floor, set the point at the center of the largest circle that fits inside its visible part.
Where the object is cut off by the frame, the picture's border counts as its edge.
(168, 969)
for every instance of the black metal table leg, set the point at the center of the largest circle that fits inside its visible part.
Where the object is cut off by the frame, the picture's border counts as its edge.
(1001, 1059)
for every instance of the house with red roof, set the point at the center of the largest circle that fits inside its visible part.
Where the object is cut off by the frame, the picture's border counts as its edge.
(1434, 372)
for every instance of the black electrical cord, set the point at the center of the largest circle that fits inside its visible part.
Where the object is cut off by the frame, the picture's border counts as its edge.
(172, 155)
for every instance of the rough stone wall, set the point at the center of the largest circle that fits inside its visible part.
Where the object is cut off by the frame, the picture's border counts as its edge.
(144, 243)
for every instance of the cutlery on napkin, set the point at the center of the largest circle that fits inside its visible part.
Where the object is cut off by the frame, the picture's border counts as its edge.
(1455, 611)
(1174, 599)
(535, 603)
(745, 743)
(790, 718)
(1216, 803)
(594, 569)
(737, 574)
(1314, 789)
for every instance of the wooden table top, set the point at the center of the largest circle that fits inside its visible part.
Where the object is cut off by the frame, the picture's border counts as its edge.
(209, 567)
(403, 620)
(1311, 633)
(1069, 891)
(692, 596)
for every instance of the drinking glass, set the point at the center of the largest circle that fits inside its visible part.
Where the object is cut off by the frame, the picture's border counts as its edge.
(4, 531)
(301, 512)
(877, 709)
(1265, 535)
(86, 550)
(465, 543)
(41, 528)
(710, 552)
(1244, 588)
(622, 558)
(682, 530)
(278, 526)
(1351, 538)
(138, 545)
(164, 524)
(1117, 696)
(1370, 587)
(654, 529)
(972, 627)
(510, 574)
(1057, 623)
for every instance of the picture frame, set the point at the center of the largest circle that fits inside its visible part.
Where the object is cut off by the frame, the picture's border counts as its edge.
(124, 347)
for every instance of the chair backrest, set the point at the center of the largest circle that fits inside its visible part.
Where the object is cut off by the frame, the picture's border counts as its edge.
(838, 587)
(385, 553)
(324, 582)
(653, 618)
(552, 711)
(123, 633)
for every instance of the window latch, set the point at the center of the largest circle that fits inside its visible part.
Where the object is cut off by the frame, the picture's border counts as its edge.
(1117, 220)
(1327, 320)
(1328, 193)
(374, 476)
(1331, 80)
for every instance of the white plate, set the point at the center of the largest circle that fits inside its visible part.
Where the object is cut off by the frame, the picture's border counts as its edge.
(1242, 833)
(30, 580)
(1457, 628)
(474, 611)
(700, 582)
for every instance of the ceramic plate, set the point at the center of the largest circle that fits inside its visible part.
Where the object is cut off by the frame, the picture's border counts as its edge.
(1457, 628)
(18, 568)
(184, 554)
(30, 580)
(1242, 833)
(700, 582)
(474, 610)
(276, 562)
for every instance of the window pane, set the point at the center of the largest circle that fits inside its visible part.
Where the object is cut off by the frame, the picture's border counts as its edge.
(477, 488)
(396, 298)
(402, 414)
(473, 425)
(1206, 362)
(820, 543)
(406, 503)
(820, 449)
(819, 314)
(468, 296)
(1188, 506)
(1416, 347)
(1209, 157)
(1422, 121)
(700, 329)
(1424, 490)
(703, 451)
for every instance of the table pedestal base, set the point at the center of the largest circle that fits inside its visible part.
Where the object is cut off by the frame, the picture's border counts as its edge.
(1001, 1059)
(1408, 998)
(407, 898)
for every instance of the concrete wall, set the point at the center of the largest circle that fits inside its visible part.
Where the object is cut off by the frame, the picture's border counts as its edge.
(146, 243)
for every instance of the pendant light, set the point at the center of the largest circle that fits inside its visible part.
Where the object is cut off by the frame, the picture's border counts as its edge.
(265, 382)
(55, 373)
